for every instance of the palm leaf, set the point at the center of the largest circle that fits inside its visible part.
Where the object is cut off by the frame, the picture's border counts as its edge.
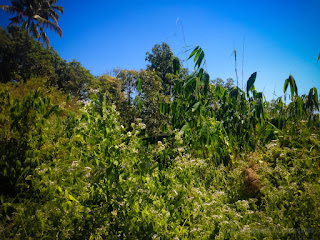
(16, 20)
(45, 39)
(9, 9)
(58, 8)
(52, 26)
(34, 30)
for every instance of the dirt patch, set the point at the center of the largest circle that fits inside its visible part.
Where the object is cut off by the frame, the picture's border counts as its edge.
(252, 181)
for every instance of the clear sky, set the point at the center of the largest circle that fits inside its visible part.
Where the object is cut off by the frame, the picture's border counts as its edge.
(279, 37)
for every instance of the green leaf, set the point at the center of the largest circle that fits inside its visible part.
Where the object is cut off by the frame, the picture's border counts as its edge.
(193, 52)
(195, 106)
(185, 127)
(197, 90)
(196, 57)
(72, 198)
(250, 82)
(286, 84)
(200, 59)
(138, 84)
(293, 86)
(318, 57)
(176, 66)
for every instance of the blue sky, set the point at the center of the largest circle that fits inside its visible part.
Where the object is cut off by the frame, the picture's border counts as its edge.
(279, 37)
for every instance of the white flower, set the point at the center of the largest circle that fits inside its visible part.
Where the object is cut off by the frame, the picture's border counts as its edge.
(141, 125)
(129, 134)
(180, 149)
(161, 146)
(75, 163)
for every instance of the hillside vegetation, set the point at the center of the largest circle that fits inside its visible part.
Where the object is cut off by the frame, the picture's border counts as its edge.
(160, 153)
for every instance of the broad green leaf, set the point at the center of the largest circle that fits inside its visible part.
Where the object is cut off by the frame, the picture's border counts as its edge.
(185, 127)
(250, 82)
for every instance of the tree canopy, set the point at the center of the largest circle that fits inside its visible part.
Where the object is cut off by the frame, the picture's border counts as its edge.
(34, 16)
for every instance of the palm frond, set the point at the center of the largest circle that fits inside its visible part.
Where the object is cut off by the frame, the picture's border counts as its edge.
(45, 39)
(16, 20)
(58, 8)
(8, 9)
(52, 26)
(34, 30)
(51, 14)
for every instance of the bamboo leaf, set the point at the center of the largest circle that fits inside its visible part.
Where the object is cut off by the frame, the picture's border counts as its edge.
(195, 106)
(250, 82)
(286, 83)
(197, 55)
(193, 52)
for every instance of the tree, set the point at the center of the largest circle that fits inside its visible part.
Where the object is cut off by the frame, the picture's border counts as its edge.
(151, 97)
(229, 84)
(49, 13)
(74, 79)
(34, 15)
(16, 64)
(162, 61)
(218, 82)
(128, 78)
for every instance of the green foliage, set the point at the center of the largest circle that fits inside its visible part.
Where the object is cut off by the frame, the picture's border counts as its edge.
(72, 78)
(293, 86)
(23, 138)
(38, 62)
(198, 54)
(165, 64)
(131, 161)
(250, 83)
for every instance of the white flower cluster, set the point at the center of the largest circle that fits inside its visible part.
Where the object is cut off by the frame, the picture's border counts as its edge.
(243, 203)
(141, 125)
(75, 163)
(178, 137)
(161, 146)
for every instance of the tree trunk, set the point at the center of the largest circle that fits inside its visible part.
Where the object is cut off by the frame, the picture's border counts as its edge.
(24, 56)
